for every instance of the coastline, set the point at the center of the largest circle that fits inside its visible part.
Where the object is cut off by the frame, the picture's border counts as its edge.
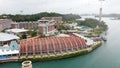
(57, 56)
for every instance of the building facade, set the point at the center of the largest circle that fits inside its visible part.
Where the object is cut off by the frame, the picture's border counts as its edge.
(46, 27)
(5, 23)
(24, 25)
(50, 45)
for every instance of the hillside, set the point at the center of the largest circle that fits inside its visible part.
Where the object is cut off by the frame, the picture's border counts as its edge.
(93, 23)
(35, 17)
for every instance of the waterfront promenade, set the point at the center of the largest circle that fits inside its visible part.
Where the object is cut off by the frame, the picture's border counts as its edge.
(54, 56)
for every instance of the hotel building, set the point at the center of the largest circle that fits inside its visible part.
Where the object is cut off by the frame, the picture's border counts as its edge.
(46, 27)
(5, 23)
(24, 25)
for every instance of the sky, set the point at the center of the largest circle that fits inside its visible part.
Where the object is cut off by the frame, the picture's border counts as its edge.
(59, 6)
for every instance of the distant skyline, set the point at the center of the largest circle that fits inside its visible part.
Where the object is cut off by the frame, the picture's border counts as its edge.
(59, 6)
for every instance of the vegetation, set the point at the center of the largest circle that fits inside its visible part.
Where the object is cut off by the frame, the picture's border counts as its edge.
(93, 23)
(32, 32)
(69, 18)
(35, 17)
(97, 31)
(62, 26)
(56, 56)
(23, 36)
(96, 46)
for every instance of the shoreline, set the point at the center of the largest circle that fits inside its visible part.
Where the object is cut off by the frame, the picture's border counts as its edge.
(57, 56)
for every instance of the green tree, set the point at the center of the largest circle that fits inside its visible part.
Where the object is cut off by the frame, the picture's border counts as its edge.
(32, 33)
(35, 17)
(24, 36)
(93, 23)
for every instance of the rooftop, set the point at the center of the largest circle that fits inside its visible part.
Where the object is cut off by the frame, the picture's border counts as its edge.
(7, 37)
(89, 41)
(11, 48)
(63, 35)
(16, 30)
(51, 45)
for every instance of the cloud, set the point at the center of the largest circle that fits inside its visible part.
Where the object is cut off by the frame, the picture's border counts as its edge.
(61, 6)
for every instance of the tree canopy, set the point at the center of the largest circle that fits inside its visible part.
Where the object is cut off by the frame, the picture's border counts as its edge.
(35, 17)
(93, 23)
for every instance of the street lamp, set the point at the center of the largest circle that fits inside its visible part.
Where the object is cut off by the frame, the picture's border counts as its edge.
(100, 11)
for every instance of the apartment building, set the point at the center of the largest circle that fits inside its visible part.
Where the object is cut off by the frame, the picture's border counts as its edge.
(24, 25)
(46, 27)
(5, 23)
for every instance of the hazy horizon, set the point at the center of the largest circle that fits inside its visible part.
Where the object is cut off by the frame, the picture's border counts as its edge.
(58, 6)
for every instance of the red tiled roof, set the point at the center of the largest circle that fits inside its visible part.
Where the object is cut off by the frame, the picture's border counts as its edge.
(5, 20)
(51, 45)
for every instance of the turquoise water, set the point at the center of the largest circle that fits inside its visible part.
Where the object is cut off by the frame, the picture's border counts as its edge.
(106, 56)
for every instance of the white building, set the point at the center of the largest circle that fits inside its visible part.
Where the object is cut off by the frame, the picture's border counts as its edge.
(8, 44)
(16, 31)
